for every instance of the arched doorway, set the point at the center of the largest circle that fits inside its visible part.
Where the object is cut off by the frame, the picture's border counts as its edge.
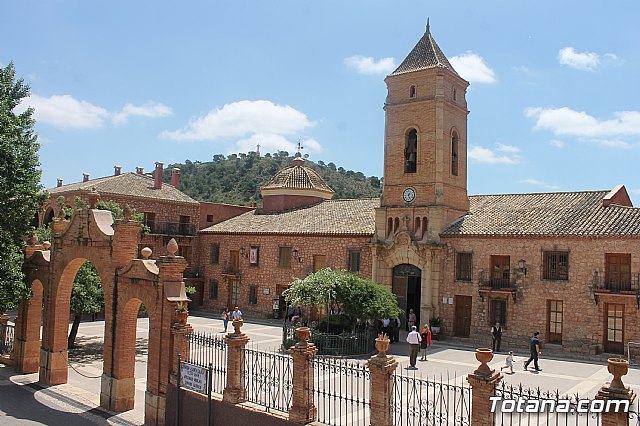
(406, 286)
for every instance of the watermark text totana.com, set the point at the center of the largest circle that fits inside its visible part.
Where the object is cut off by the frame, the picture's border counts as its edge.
(524, 405)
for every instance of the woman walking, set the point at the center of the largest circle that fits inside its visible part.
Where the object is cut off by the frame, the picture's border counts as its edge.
(225, 318)
(426, 341)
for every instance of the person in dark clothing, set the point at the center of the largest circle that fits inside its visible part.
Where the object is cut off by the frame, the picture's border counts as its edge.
(391, 330)
(535, 352)
(496, 334)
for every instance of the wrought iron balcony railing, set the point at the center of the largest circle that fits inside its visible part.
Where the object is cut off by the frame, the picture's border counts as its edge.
(609, 284)
(194, 272)
(501, 280)
(230, 269)
(172, 228)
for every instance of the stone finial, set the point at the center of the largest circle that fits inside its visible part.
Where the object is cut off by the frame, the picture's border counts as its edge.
(127, 212)
(33, 240)
(484, 356)
(93, 197)
(46, 245)
(382, 344)
(172, 247)
(237, 325)
(146, 252)
(303, 334)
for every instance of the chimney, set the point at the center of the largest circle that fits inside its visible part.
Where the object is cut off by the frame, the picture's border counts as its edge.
(85, 177)
(117, 170)
(157, 175)
(59, 182)
(175, 174)
(139, 170)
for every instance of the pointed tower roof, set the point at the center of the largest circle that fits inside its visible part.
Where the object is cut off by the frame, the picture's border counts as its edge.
(425, 55)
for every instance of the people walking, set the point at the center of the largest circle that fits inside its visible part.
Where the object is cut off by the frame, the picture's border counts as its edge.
(411, 319)
(535, 352)
(496, 335)
(508, 362)
(385, 328)
(425, 334)
(225, 318)
(236, 314)
(414, 340)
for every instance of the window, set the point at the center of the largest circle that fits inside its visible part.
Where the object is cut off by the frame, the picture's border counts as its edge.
(354, 260)
(149, 219)
(498, 311)
(209, 218)
(618, 272)
(214, 253)
(463, 266)
(455, 94)
(185, 227)
(556, 265)
(185, 251)
(213, 289)
(412, 92)
(234, 293)
(253, 295)
(555, 321)
(284, 257)
(454, 154)
(319, 262)
(411, 151)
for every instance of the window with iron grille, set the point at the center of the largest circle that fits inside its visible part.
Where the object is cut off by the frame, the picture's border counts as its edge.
(214, 253)
(498, 311)
(213, 289)
(354, 260)
(463, 266)
(284, 257)
(556, 265)
(253, 295)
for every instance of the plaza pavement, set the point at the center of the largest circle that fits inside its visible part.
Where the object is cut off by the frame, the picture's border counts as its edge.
(444, 363)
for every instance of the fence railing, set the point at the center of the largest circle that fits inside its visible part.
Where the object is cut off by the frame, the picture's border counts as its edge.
(628, 285)
(209, 350)
(341, 392)
(6, 338)
(359, 342)
(268, 379)
(497, 280)
(417, 401)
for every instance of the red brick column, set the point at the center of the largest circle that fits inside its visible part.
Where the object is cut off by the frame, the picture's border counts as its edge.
(483, 382)
(179, 345)
(616, 390)
(235, 391)
(381, 367)
(26, 344)
(302, 409)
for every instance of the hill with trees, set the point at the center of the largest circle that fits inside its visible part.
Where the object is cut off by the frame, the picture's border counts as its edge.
(237, 178)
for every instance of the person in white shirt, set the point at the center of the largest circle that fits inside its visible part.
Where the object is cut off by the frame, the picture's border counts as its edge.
(414, 340)
(236, 314)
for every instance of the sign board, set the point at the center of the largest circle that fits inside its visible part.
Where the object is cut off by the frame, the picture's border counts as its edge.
(193, 377)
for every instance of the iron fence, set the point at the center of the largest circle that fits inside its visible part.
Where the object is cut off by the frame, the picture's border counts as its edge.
(195, 378)
(541, 408)
(268, 379)
(357, 342)
(206, 350)
(6, 338)
(417, 401)
(341, 392)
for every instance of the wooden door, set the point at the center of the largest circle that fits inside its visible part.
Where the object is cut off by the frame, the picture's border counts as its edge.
(462, 321)
(554, 321)
(234, 293)
(500, 271)
(319, 262)
(234, 260)
(614, 328)
(618, 272)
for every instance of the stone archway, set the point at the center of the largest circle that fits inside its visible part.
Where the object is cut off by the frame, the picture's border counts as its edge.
(126, 282)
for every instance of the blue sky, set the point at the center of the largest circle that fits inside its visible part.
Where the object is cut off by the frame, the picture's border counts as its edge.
(553, 96)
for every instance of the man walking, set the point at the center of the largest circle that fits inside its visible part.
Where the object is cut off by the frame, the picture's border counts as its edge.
(236, 314)
(496, 334)
(414, 340)
(535, 352)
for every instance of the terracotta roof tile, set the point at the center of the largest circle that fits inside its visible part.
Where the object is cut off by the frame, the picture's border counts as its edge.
(425, 55)
(338, 217)
(297, 177)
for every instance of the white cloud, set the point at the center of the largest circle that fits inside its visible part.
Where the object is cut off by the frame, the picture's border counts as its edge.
(557, 143)
(473, 68)
(243, 118)
(585, 61)
(65, 112)
(148, 109)
(369, 65)
(565, 121)
(507, 148)
(493, 156)
(539, 183)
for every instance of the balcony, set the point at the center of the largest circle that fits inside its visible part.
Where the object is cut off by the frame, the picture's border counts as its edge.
(603, 285)
(497, 283)
(172, 228)
(231, 269)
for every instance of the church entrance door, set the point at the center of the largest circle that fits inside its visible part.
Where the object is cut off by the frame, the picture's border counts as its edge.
(406, 287)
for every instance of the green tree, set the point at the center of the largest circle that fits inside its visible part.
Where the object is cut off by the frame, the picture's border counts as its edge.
(87, 297)
(20, 190)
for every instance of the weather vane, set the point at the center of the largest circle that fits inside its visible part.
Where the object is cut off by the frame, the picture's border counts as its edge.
(300, 147)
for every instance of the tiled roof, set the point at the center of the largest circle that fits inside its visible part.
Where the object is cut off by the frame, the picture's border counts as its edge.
(130, 185)
(298, 177)
(548, 214)
(338, 217)
(426, 54)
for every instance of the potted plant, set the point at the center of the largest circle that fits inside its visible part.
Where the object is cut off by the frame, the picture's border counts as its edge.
(435, 323)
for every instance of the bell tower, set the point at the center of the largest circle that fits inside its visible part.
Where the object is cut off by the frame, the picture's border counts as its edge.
(425, 145)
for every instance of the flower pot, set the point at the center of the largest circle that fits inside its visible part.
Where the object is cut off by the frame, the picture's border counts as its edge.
(435, 330)
(484, 356)
(618, 367)
(303, 334)
(181, 317)
(382, 345)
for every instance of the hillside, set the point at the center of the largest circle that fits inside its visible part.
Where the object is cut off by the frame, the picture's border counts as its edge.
(237, 178)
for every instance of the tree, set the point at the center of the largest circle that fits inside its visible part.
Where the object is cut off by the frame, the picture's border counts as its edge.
(20, 190)
(87, 297)
(343, 293)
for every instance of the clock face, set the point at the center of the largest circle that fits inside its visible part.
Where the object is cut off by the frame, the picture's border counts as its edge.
(409, 194)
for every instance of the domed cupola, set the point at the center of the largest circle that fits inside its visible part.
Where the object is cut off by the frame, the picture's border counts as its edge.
(294, 187)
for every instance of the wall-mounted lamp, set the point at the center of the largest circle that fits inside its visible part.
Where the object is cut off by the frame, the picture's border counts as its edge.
(522, 265)
(296, 255)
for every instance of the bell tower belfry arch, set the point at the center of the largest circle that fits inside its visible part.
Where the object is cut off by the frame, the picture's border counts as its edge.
(425, 167)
